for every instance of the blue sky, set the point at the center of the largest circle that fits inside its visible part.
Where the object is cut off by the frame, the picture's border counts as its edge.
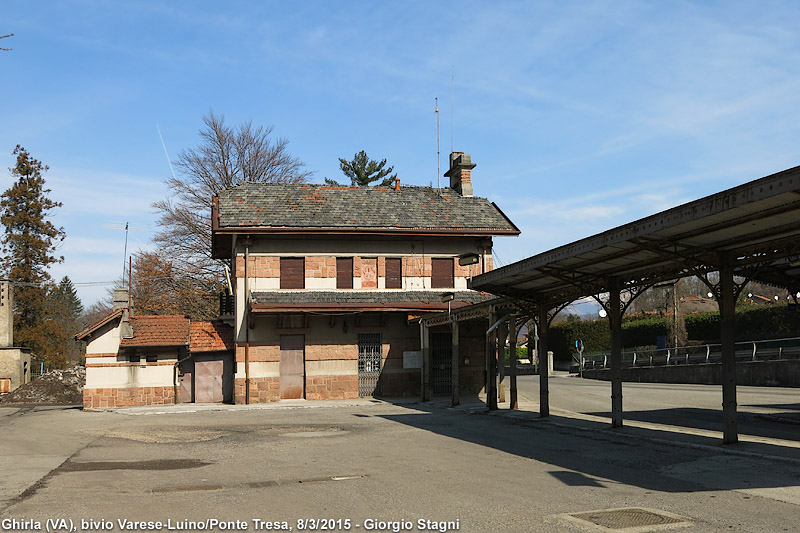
(581, 116)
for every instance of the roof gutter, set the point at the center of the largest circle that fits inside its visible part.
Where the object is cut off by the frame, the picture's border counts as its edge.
(307, 230)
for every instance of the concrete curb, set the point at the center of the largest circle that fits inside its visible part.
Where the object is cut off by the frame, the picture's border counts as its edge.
(195, 408)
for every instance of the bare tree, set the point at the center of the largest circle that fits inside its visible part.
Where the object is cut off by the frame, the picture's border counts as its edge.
(225, 157)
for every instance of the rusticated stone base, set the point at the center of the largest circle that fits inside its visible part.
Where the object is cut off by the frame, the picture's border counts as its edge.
(262, 390)
(331, 387)
(127, 397)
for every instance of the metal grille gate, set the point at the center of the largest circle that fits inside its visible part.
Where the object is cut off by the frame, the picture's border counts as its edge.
(369, 363)
(442, 362)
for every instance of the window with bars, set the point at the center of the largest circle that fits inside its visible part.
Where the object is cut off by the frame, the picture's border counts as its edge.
(369, 363)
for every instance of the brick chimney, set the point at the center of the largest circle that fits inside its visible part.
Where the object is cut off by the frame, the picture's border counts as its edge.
(460, 173)
(121, 301)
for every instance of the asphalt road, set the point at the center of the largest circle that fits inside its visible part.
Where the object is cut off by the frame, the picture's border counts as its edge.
(374, 461)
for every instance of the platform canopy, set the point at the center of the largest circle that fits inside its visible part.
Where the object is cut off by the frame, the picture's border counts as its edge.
(753, 228)
(749, 232)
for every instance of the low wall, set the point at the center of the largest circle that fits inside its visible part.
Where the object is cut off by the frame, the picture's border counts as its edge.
(755, 373)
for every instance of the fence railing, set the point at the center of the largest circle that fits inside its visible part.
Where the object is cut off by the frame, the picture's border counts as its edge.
(764, 350)
(37, 369)
(227, 304)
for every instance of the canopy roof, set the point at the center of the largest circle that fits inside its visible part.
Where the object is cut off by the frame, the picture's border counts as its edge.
(753, 228)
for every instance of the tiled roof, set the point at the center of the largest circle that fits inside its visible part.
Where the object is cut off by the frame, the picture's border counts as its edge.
(208, 336)
(100, 323)
(278, 205)
(158, 330)
(366, 297)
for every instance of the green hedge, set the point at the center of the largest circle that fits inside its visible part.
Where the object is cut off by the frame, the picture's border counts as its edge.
(772, 322)
(753, 324)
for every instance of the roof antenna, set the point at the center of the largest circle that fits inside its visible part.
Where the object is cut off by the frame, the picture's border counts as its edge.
(438, 157)
(165, 153)
(125, 255)
(452, 109)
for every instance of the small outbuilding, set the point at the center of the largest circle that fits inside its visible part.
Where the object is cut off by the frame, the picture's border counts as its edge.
(15, 362)
(155, 359)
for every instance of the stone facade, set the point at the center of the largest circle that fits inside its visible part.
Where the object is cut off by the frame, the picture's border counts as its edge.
(128, 397)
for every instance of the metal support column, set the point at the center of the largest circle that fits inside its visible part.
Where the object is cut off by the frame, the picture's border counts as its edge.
(615, 321)
(502, 337)
(454, 365)
(491, 366)
(427, 387)
(727, 312)
(544, 363)
(512, 361)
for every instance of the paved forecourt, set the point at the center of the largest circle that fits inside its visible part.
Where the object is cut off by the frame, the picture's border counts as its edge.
(380, 466)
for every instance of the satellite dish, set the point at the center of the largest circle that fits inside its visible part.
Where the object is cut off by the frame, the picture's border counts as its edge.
(602, 313)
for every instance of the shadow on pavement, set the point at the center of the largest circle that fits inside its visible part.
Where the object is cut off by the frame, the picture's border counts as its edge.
(617, 455)
(711, 419)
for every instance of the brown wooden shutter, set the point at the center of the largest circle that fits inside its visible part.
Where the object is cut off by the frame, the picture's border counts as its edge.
(293, 273)
(344, 272)
(394, 273)
(442, 273)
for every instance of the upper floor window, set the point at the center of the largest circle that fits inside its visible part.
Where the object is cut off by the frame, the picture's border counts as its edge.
(344, 272)
(442, 273)
(394, 273)
(293, 273)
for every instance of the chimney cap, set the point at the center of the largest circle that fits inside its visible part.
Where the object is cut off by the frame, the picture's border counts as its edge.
(120, 299)
(459, 161)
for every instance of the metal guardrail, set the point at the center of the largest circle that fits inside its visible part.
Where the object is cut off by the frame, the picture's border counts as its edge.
(763, 350)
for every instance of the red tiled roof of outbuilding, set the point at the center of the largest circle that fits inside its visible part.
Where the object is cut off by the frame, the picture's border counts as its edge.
(206, 336)
(158, 330)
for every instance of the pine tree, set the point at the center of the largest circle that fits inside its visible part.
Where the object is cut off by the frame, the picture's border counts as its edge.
(66, 296)
(29, 244)
(363, 171)
(62, 320)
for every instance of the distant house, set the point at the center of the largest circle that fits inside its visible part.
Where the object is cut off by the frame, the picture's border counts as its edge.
(15, 362)
(693, 304)
(327, 282)
(155, 359)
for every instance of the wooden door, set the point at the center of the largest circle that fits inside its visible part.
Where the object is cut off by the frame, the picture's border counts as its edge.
(394, 273)
(187, 383)
(292, 366)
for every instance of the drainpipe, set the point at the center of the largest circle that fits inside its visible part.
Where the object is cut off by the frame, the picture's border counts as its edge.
(247, 242)
(422, 353)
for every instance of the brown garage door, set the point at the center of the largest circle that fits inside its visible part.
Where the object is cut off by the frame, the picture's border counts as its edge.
(213, 378)
(292, 366)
